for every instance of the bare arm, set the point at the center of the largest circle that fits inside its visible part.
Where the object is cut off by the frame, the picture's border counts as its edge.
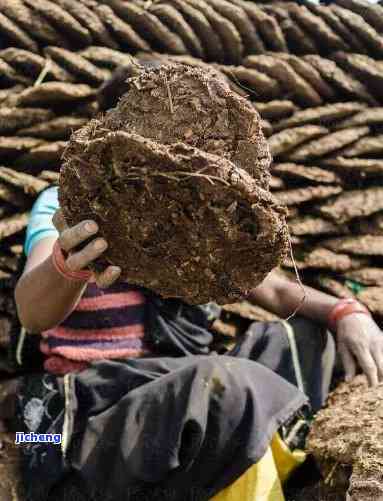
(360, 341)
(282, 296)
(43, 296)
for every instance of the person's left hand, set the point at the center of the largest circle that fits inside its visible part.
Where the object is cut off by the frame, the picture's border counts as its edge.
(360, 341)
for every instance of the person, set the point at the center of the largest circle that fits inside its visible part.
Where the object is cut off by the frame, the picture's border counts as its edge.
(146, 407)
(45, 297)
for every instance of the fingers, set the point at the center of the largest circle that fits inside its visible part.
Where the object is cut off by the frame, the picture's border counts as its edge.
(71, 237)
(108, 276)
(348, 361)
(81, 259)
(368, 365)
(377, 355)
(58, 221)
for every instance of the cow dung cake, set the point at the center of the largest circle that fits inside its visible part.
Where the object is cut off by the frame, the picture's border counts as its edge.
(176, 177)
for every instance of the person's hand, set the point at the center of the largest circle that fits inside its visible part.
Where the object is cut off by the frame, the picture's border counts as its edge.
(71, 237)
(360, 341)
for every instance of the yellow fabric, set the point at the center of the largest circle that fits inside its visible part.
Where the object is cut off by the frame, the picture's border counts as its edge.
(285, 460)
(263, 481)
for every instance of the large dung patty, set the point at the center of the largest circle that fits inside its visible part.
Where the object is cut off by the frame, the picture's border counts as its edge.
(176, 176)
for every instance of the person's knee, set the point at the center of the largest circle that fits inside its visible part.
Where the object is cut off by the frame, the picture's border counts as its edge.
(220, 374)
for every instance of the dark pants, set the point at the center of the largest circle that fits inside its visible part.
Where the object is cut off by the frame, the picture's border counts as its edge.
(175, 428)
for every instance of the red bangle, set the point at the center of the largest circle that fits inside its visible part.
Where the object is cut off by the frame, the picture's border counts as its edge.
(59, 263)
(344, 308)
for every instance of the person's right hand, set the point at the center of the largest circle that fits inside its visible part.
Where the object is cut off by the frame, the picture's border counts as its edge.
(71, 237)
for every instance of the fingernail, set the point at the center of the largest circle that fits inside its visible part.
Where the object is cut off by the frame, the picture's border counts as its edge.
(90, 227)
(115, 270)
(100, 244)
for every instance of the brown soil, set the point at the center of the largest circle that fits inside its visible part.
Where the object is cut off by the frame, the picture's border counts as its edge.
(346, 436)
(184, 185)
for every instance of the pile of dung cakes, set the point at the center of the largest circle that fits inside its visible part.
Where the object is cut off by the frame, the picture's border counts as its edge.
(313, 72)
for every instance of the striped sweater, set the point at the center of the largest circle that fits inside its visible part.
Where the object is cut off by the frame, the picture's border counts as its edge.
(106, 324)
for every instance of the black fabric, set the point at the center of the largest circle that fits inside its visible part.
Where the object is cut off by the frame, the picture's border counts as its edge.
(40, 409)
(167, 428)
(175, 328)
(174, 428)
(185, 426)
(268, 344)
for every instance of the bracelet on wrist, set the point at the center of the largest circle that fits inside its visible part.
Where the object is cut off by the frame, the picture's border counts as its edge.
(342, 309)
(59, 263)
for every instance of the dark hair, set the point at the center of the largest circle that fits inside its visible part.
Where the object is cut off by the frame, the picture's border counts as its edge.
(111, 91)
